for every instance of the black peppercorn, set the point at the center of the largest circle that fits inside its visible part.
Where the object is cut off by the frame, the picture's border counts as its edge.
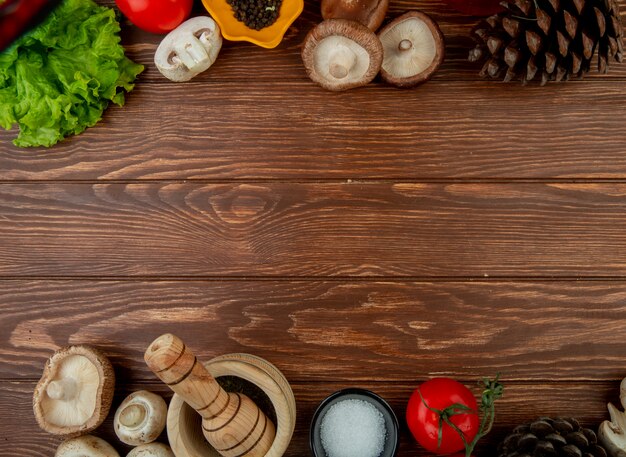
(256, 14)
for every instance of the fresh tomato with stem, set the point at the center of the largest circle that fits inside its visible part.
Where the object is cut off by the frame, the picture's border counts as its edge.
(156, 16)
(444, 417)
(436, 408)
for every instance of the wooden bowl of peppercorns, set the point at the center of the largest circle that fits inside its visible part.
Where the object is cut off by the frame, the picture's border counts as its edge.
(262, 22)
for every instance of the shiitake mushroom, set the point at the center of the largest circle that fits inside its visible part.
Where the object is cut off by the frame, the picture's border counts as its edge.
(339, 54)
(75, 391)
(413, 48)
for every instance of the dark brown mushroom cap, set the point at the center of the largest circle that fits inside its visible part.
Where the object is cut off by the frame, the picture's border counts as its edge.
(370, 13)
(75, 392)
(339, 54)
(413, 49)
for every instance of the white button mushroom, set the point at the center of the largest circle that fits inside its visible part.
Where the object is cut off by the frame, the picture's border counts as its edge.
(413, 49)
(140, 418)
(189, 49)
(339, 54)
(86, 446)
(75, 391)
(612, 434)
(151, 450)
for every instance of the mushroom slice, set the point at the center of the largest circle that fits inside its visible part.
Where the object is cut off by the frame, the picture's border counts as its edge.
(75, 391)
(370, 13)
(140, 418)
(612, 433)
(189, 49)
(339, 54)
(413, 49)
(151, 450)
(86, 446)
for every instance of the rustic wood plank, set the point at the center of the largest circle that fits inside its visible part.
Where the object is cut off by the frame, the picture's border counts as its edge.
(247, 63)
(255, 115)
(376, 133)
(521, 403)
(329, 330)
(289, 229)
(298, 131)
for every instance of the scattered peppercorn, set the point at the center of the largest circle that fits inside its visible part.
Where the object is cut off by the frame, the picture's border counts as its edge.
(256, 14)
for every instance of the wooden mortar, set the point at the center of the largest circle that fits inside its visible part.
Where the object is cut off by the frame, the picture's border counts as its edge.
(184, 425)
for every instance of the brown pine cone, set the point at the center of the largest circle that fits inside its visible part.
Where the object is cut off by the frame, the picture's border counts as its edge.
(547, 437)
(549, 40)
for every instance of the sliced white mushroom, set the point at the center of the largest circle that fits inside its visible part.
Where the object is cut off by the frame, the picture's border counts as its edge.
(413, 49)
(140, 418)
(612, 433)
(75, 391)
(151, 450)
(339, 54)
(86, 446)
(189, 49)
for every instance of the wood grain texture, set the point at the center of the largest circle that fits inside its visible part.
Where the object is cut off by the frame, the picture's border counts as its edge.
(329, 330)
(246, 63)
(255, 115)
(295, 130)
(522, 402)
(292, 229)
(372, 238)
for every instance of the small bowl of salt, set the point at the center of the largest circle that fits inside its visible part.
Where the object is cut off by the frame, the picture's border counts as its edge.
(354, 423)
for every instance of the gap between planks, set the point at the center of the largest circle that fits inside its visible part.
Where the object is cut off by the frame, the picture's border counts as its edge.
(321, 181)
(361, 279)
(298, 81)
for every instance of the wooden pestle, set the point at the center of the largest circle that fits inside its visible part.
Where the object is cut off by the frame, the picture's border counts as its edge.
(231, 422)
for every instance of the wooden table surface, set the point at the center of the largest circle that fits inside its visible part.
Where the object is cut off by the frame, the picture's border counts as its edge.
(371, 238)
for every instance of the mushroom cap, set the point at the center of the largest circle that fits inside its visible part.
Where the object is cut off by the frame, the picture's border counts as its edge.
(370, 13)
(87, 445)
(151, 450)
(75, 392)
(140, 418)
(413, 49)
(339, 54)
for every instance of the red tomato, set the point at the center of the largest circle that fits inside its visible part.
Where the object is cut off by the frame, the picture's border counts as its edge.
(156, 16)
(424, 423)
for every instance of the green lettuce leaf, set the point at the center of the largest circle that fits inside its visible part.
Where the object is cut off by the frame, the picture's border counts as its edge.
(57, 79)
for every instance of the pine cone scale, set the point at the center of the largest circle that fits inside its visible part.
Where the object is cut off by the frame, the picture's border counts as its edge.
(571, 24)
(533, 41)
(563, 44)
(511, 26)
(544, 21)
(580, 5)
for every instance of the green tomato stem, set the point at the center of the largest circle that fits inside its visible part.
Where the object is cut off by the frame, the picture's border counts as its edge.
(493, 390)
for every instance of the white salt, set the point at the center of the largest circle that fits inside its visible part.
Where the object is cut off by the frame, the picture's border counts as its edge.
(353, 428)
